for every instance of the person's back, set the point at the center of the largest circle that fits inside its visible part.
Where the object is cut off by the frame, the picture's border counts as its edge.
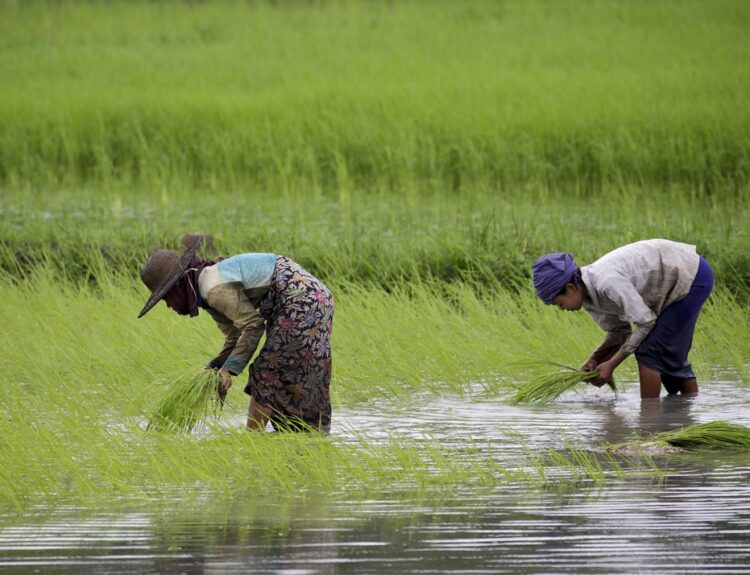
(661, 271)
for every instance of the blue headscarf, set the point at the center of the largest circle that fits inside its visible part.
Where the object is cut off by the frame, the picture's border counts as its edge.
(551, 273)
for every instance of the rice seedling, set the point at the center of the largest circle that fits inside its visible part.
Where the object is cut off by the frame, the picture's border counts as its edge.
(186, 402)
(547, 387)
(562, 470)
(74, 425)
(712, 435)
(465, 344)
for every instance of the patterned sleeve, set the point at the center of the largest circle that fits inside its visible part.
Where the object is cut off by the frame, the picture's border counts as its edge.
(246, 327)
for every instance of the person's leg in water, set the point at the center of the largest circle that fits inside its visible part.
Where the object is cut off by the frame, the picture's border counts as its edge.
(689, 386)
(675, 385)
(650, 380)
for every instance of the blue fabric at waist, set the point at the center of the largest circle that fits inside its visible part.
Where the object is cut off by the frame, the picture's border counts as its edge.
(705, 275)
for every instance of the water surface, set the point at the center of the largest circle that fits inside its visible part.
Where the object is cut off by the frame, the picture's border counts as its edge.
(696, 520)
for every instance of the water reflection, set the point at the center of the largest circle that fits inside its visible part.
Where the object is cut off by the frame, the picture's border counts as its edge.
(667, 413)
(630, 527)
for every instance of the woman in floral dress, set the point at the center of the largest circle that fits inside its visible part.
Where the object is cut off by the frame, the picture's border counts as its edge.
(247, 295)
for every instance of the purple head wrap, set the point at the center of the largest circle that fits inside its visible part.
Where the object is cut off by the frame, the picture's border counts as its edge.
(551, 273)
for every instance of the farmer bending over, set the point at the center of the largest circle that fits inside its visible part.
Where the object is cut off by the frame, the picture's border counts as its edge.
(246, 295)
(657, 285)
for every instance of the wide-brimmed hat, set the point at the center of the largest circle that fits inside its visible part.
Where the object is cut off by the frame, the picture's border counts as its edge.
(162, 271)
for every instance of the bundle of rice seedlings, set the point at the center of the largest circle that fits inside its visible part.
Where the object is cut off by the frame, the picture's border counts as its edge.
(712, 435)
(186, 402)
(547, 387)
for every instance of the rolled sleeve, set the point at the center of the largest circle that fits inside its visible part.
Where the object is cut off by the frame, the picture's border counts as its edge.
(641, 331)
(633, 310)
(231, 335)
(618, 331)
(243, 327)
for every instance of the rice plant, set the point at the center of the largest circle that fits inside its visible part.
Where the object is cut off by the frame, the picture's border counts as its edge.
(374, 238)
(451, 104)
(76, 426)
(186, 402)
(712, 435)
(547, 387)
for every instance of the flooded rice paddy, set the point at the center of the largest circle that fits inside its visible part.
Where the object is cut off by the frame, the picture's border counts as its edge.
(695, 518)
(417, 161)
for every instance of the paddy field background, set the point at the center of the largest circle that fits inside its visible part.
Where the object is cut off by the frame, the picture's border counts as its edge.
(417, 157)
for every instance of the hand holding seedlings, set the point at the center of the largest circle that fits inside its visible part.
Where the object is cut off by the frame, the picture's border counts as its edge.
(185, 404)
(605, 369)
(226, 382)
(548, 386)
(589, 365)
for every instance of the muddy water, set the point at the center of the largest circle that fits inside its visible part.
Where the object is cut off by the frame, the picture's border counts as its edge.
(697, 520)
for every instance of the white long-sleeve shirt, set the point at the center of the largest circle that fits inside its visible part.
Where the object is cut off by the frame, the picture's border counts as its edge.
(633, 284)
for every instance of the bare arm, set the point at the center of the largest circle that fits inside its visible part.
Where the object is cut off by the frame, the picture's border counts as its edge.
(600, 355)
(607, 368)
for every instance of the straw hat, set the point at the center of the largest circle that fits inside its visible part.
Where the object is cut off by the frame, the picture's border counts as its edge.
(162, 271)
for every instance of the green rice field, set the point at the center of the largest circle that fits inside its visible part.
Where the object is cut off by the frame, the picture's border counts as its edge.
(417, 157)
(385, 95)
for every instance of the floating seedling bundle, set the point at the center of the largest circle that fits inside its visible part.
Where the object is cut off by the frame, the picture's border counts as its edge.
(712, 435)
(187, 402)
(547, 387)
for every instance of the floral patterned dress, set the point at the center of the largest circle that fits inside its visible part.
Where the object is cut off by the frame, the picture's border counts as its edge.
(292, 372)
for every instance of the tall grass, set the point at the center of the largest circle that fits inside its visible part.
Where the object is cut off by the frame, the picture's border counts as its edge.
(77, 369)
(344, 94)
(386, 237)
(417, 338)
